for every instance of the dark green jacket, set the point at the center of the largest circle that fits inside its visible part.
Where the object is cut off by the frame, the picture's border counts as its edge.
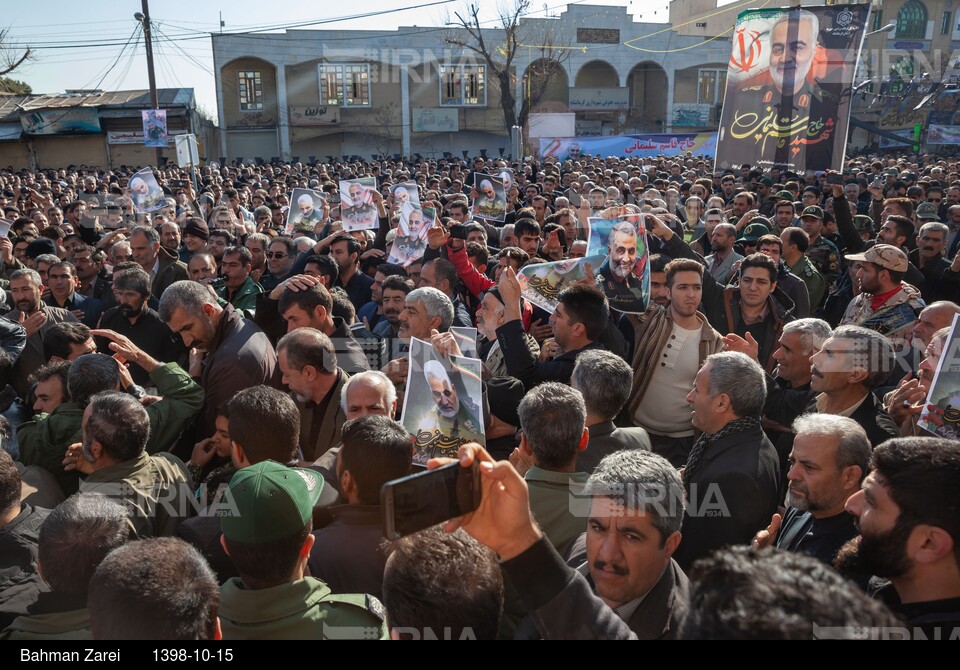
(301, 610)
(54, 616)
(246, 296)
(45, 440)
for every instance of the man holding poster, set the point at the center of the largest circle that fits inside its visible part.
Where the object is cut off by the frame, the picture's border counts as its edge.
(788, 87)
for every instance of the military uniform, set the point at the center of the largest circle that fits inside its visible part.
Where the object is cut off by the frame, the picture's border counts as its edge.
(306, 224)
(812, 113)
(359, 216)
(305, 609)
(439, 436)
(485, 208)
(816, 285)
(55, 616)
(624, 296)
(825, 258)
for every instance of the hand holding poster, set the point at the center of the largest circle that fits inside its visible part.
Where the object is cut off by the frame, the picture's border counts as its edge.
(941, 410)
(489, 202)
(411, 241)
(541, 284)
(358, 209)
(623, 275)
(443, 403)
(145, 192)
(787, 99)
(306, 211)
(466, 339)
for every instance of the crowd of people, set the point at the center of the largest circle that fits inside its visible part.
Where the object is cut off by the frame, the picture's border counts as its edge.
(201, 404)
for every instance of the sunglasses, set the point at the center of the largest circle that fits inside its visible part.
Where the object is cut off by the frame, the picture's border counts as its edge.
(275, 255)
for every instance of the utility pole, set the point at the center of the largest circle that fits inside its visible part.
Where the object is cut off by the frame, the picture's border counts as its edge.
(144, 19)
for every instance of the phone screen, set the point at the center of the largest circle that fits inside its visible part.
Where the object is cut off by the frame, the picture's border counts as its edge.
(428, 498)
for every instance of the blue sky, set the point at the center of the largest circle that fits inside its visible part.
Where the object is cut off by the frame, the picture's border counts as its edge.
(77, 44)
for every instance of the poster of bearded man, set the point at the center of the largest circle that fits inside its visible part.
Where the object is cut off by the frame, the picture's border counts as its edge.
(788, 87)
(623, 276)
(442, 406)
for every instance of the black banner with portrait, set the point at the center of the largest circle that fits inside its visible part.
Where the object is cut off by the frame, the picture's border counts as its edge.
(789, 85)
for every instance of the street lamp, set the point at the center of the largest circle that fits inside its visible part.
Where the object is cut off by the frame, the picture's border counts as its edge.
(886, 29)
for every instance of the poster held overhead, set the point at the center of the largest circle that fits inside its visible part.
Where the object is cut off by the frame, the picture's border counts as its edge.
(154, 127)
(490, 202)
(306, 211)
(624, 275)
(145, 192)
(411, 241)
(358, 210)
(443, 403)
(542, 283)
(789, 84)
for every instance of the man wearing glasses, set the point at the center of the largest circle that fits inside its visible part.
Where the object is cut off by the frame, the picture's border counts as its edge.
(280, 256)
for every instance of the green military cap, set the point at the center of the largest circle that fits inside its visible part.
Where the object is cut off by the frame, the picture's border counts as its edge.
(270, 502)
(764, 181)
(812, 210)
(755, 231)
(784, 195)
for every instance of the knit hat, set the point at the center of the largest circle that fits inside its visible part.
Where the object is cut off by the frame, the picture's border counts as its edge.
(41, 246)
(197, 228)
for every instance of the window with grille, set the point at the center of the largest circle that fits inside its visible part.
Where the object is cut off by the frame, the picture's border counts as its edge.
(250, 90)
(912, 21)
(463, 86)
(711, 85)
(345, 85)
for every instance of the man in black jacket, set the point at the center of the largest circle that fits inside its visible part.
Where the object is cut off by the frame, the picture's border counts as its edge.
(347, 554)
(845, 371)
(238, 354)
(632, 532)
(732, 475)
(20, 582)
(578, 322)
(830, 458)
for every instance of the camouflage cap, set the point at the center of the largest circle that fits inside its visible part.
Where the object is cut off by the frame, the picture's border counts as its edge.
(884, 255)
(863, 222)
(927, 211)
(812, 210)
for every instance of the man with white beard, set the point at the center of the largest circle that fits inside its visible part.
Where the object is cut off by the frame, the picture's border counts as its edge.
(490, 316)
(830, 458)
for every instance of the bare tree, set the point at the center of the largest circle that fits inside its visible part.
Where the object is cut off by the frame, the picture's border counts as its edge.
(378, 130)
(11, 56)
(499, 56)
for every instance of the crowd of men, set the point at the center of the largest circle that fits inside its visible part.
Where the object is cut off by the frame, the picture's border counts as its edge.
(200, 405)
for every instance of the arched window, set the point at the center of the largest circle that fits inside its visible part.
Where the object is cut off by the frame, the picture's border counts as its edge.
(912, 21)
